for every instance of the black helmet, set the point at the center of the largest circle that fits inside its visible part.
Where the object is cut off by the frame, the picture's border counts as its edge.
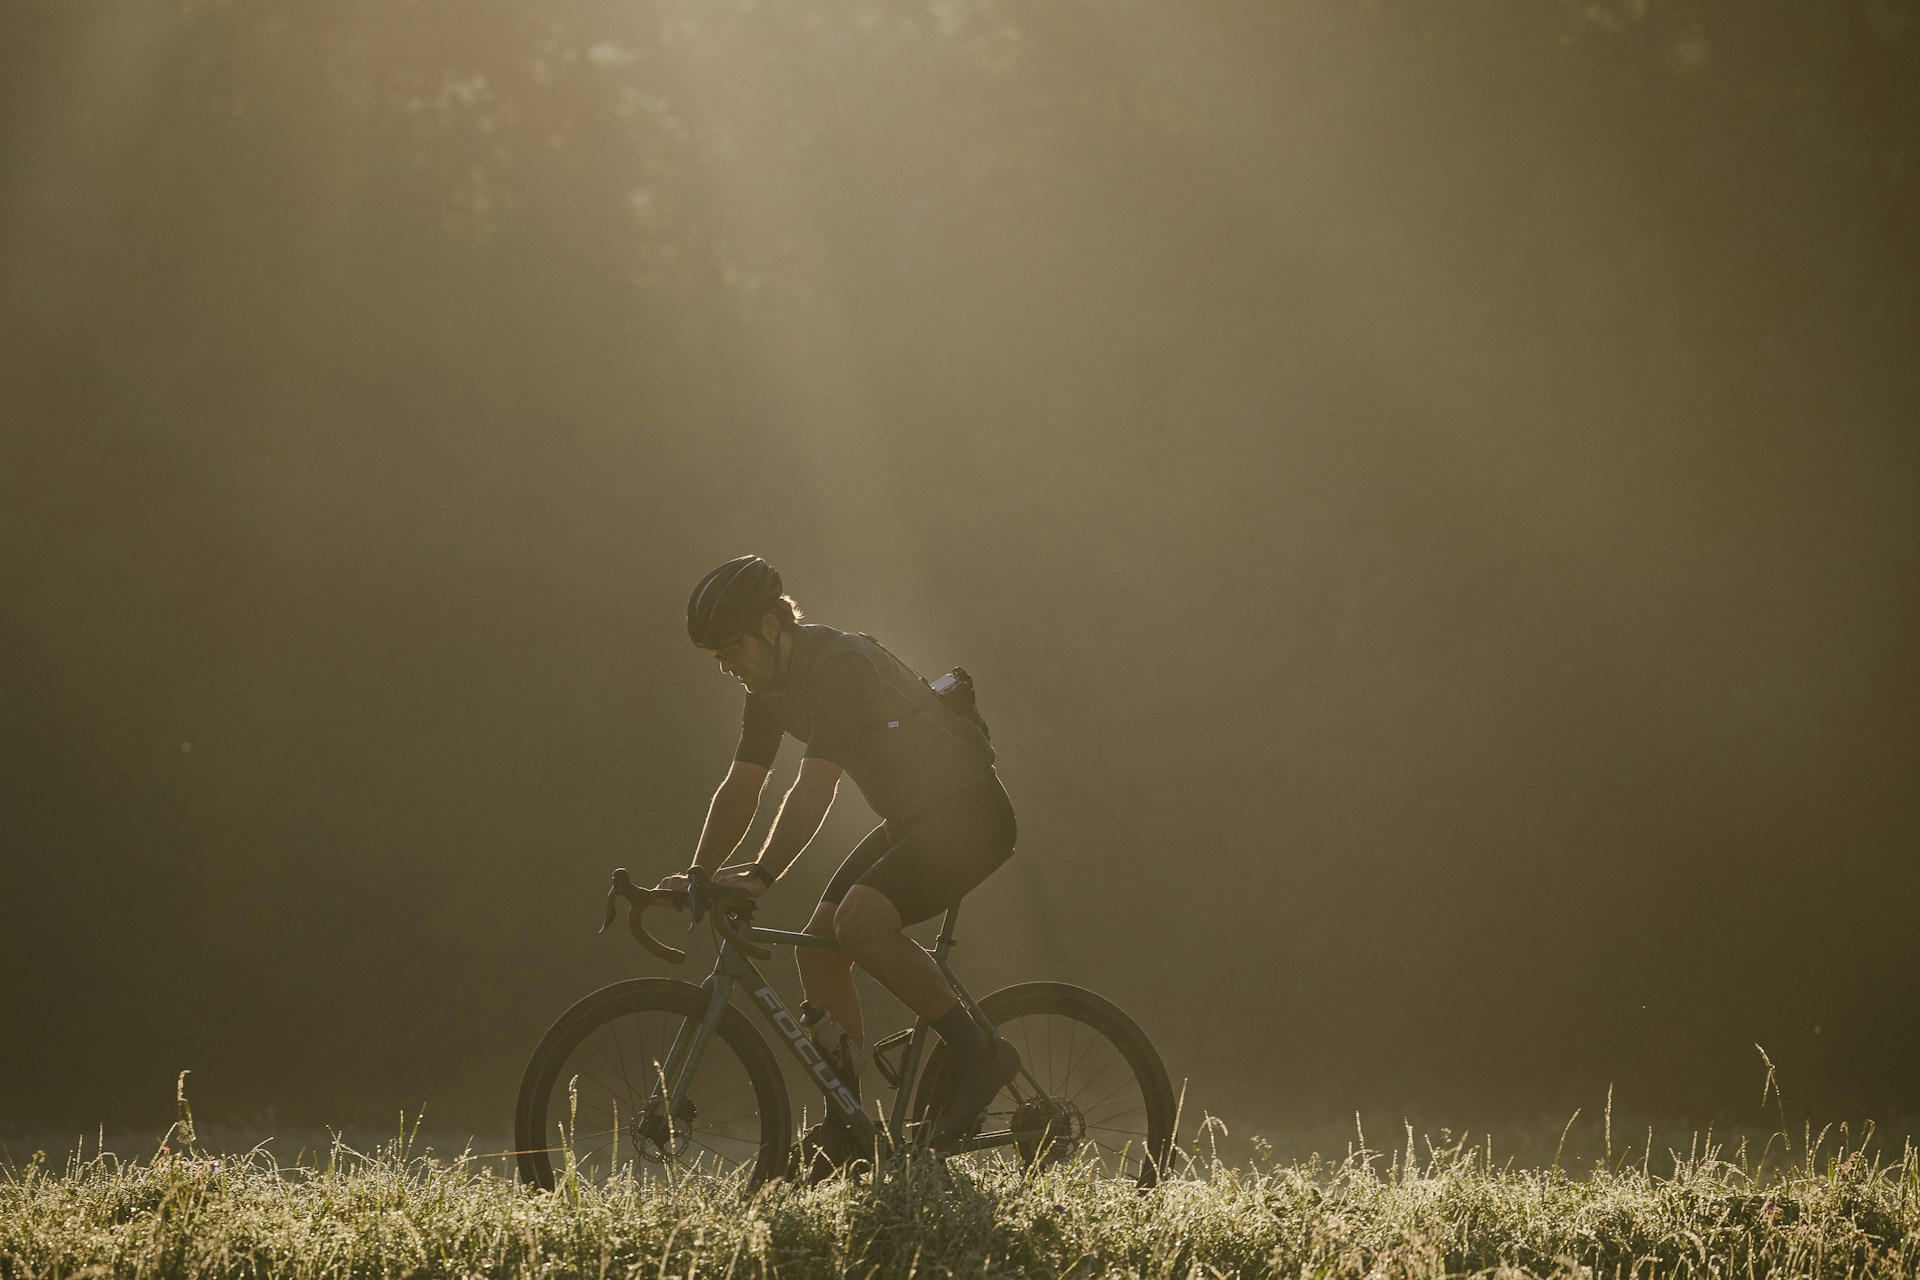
(731, 600)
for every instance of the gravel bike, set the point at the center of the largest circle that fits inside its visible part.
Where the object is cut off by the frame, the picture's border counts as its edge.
(663, 1077)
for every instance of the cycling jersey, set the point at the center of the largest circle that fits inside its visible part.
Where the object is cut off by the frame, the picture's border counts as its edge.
(855, 704)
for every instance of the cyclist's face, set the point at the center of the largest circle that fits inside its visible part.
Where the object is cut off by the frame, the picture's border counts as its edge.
(751, 660)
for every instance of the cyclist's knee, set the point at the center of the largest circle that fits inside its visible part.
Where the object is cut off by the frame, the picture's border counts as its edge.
(822, 920)
(865, 916)
(813, 960)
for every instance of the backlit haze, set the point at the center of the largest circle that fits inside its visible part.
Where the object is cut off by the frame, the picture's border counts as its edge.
(1427, 492)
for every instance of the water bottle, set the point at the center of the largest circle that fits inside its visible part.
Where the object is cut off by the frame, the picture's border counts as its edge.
(833, 1042)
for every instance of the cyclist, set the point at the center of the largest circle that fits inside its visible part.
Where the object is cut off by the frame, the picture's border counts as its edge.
(926, 770)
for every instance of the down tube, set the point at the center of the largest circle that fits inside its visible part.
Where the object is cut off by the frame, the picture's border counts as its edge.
(817, 1070)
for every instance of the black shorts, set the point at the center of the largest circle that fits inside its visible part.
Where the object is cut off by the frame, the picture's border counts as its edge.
(929, 863)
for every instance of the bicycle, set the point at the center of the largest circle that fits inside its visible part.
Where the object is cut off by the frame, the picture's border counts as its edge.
(670, 1077)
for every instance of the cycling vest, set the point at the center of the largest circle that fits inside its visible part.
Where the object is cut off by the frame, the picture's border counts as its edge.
(913, 751)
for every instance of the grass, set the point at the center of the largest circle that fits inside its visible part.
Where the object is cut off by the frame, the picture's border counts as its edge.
(1806, 1207)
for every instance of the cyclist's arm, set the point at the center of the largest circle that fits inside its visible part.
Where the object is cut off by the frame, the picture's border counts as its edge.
(730, 814)
(738, 799)
(801, 813)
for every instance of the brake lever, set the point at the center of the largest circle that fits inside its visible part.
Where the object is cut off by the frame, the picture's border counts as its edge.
(623, 887)
(621, 881)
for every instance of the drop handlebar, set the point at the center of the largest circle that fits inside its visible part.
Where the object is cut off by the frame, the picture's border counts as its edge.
(701, 897)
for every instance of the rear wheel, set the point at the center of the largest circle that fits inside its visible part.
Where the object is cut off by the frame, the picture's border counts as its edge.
(593, 1092)
(1103, 1094)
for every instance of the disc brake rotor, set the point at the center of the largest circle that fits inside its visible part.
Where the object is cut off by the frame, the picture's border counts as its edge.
(660, 1138)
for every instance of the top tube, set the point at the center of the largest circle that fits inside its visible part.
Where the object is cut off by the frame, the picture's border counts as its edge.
(790, 938)
(826, 942)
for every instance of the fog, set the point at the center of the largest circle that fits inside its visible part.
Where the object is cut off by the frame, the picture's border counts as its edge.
(1427, 493)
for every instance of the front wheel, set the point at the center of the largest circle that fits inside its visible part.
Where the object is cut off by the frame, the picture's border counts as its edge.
(1103, 1094)
(595, 1092)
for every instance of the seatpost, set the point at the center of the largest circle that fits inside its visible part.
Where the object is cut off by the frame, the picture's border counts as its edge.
(945, 941)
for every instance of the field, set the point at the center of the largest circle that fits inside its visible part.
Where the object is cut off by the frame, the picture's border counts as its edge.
(1799, 1206)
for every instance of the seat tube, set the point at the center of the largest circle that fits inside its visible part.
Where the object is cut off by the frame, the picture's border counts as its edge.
(909, 1072)
(959, 987)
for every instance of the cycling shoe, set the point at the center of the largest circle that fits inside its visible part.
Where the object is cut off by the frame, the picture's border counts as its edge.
(826, 1149)
(974, 1086)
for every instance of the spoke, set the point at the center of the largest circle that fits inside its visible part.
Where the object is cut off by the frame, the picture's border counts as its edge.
(726, 1137)
(1026, 1038)
(583, 1158)
(581, 1141)
(1138, 1100)
(657, 1088)
(1091, 1106)
(752, 1143)
(591, 1119)
(727, 1160)
(1073, 1033)
(655, 1070)
(1089, 1116)
(1095, 1039)
(656, 1062)
(1107, 1128)
(585, 1105)
(1086, 1085)
(734, 1092)
(618, 1067)
(735, 1118)
(640, 1033)
(561, 1086)
(614, 1028)
(572, 1068)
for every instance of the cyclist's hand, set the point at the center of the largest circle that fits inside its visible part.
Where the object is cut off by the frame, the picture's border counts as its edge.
(675, 883)
(727, 879)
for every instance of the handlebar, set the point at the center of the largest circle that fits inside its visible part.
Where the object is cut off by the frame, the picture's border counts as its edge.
(701, 896)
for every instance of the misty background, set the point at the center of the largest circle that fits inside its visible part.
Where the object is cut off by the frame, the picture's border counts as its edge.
(1427, 491)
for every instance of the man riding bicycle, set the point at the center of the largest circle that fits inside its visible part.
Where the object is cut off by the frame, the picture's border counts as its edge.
(924, 768)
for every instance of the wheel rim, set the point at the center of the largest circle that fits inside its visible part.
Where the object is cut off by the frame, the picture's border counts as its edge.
(1093, 1105)
(596, 1105)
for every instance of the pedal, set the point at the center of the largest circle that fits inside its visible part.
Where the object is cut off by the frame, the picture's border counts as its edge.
(896, 1043)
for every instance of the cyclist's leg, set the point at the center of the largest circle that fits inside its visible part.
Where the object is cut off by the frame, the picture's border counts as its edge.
(928, 869)
(826, 977)
(925, 871)
(868, 926)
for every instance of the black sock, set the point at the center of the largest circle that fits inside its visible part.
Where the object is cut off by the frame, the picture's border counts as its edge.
(963, 1035)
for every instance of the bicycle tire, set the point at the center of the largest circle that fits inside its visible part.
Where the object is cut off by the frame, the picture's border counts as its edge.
(625, 1028)
(1080, 1077)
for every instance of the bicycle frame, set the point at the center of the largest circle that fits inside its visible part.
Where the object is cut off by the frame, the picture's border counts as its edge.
(735, 968)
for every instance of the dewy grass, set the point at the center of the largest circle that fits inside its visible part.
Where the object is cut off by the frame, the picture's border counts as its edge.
(1832, 1210)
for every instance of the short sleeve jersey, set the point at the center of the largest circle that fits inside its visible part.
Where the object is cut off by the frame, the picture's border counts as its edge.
(843, 692)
